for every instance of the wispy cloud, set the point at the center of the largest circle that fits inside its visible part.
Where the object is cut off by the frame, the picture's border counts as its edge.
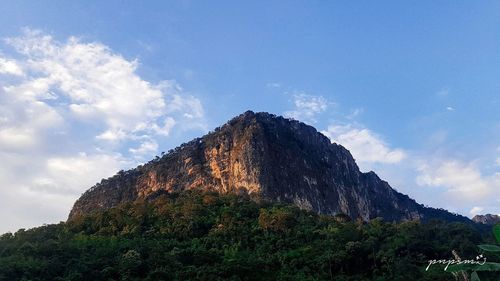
(273, 85)
(355, 113)
(307, 107)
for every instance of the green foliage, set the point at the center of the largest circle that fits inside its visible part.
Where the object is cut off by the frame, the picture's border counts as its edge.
(496, 232)
(488, 266)
(277, 219)
(484, 266)
(207, 236)
(489, 248)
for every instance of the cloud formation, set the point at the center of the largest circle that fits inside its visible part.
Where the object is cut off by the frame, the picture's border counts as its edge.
(72, 113)
(476, 211)
(9, 67)
(307, 107)
(364, 145)
(464, 182)
(95, 83)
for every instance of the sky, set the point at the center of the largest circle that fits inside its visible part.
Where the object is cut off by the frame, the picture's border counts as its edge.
(87, 88)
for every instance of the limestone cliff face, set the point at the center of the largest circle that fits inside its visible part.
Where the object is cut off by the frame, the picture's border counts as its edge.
(268, 157)
(487, 219)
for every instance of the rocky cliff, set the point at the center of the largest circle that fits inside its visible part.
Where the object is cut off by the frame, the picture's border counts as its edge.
(268, 157)
(487, 219)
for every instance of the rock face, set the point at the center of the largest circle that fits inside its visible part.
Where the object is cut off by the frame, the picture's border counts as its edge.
(268, 157)
(487, 219)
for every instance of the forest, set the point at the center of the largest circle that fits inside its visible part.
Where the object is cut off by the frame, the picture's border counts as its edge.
(195, 235)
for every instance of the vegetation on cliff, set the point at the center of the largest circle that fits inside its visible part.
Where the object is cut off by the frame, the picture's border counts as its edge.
(208, 236)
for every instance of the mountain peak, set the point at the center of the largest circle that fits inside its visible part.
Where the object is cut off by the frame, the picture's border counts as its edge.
(488, 219)
(266, 156)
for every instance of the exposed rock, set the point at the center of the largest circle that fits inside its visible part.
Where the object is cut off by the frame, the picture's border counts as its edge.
(488, 219)
(271, 158)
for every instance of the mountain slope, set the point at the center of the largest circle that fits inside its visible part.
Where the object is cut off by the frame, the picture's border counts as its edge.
(270, 158)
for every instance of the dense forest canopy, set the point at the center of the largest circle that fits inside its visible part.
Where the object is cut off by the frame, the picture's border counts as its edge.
(207, 236)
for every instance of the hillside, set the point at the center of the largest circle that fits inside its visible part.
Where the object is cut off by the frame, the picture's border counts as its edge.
(194, 235)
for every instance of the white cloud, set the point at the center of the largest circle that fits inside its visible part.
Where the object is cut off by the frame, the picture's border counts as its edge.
(67, 175)
(10, 67)
(16, 138)
(97, 83)
(76, 112)
(112, 135)
(364, 145)
(145, 148)
(168, 124)
(449, 108)
(463, 181)
(25, 121)
(476, 210)
(38, 189)
(307, 107)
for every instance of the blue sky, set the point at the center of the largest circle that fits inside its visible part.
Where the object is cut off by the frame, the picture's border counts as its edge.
(90, 87)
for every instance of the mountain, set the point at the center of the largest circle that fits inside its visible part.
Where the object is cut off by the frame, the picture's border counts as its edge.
(487, 219)
(268, 158)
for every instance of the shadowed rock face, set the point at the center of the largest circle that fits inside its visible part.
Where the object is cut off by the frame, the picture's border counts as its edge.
(488, 219)
(268, 157)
